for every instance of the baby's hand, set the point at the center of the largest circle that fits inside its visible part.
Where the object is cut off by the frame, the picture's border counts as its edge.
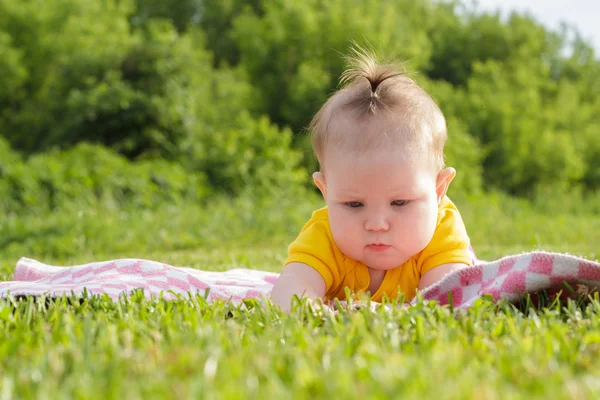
(299, 280)
(357, 305)
(320, 308)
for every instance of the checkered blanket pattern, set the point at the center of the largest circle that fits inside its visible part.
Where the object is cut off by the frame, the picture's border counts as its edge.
(508, 277)
(512, 276)
(122, 276)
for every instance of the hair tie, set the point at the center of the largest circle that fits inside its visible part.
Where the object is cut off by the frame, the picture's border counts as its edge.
(373, 83)
(376, 82)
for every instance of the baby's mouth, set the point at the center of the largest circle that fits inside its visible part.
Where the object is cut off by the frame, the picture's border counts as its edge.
(378, 247)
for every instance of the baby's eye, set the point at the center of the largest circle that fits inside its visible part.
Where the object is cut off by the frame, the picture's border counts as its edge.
(353, 204)
(399, 203)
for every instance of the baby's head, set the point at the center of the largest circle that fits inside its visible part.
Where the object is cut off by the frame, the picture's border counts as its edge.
(380, 144)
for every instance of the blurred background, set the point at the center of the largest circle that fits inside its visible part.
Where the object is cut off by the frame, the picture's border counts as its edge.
(174, 129)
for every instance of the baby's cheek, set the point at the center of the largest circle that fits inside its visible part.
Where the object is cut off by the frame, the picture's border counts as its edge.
(426, 228)
(346, 237)
(339, 229)
(418, 230)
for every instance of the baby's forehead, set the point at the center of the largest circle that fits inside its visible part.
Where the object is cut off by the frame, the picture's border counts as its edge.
(373, 132)
(381, 180)
(382, 156)
(390, 166)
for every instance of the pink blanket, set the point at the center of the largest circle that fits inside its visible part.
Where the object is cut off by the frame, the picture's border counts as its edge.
(508, 278)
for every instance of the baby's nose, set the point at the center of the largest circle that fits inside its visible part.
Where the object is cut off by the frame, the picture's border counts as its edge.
(377, 223)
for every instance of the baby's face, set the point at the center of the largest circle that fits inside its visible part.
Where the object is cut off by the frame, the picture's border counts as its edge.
(382, 208)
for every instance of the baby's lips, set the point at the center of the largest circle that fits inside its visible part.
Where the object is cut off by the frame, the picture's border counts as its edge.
(378, 247)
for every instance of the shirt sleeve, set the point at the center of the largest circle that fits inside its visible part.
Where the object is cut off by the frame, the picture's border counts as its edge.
(314, 247)
(450, 242)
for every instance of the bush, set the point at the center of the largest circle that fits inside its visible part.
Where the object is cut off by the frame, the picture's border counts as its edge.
(211, 84)
(254, 154)
(99, 80)
(93, 176)
(292, 49)
(463, 150)
(514, 113)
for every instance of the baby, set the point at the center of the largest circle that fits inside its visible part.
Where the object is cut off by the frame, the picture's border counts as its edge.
(388, 227)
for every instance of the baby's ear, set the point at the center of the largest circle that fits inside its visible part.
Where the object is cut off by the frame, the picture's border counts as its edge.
(319, 179)
(443, 182)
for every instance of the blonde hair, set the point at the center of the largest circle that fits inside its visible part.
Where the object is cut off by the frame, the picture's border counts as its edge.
(369, 90)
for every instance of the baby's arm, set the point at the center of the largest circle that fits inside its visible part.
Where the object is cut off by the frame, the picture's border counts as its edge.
(297, 279)
(437, 273)
(448, 250)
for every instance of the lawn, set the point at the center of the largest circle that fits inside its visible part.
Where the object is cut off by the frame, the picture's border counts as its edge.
(136, 348)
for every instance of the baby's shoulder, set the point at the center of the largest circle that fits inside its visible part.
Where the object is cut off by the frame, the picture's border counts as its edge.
(449, 223)
(446, 204)
(318, 223)
(321, 214)
(447, 211)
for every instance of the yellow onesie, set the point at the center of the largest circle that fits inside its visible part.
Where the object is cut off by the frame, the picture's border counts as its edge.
(315, 247)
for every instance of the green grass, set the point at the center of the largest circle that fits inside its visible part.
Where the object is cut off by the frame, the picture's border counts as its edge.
(137, 348)
(189, 349)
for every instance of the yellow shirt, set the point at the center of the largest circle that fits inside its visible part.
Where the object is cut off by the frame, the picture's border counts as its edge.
(315, 247)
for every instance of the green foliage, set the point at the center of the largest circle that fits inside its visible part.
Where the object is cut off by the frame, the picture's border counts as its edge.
(293, 50)
(216, 21)
(88, 176)
(217, 86)
(182, 13)
(57, 37)
(139, 91)
(524, 103)
(76, 230)
(255, 153)
(463, 151)
(526, 147)
(7, 156)
(462, 38)
(12, 74)
(513, 93)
